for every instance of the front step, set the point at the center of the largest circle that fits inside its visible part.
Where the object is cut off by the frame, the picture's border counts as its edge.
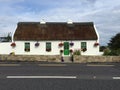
(67, 59)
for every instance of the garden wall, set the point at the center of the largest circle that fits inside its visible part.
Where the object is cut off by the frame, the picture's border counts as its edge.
(87, 59)
(57, 58)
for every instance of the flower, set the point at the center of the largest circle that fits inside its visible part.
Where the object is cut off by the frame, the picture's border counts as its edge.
(71, 50)
(61, 51)
(60, 44)
(84, 49)
(48, 49)
(13, 44)
(71, 44)
(96, 44)
(36, 44)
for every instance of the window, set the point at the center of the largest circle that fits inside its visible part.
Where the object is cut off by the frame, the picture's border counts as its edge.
(27, 47)
(83, 45)
(48, 46)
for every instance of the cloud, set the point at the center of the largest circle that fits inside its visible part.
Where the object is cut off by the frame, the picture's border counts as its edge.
(105, 14)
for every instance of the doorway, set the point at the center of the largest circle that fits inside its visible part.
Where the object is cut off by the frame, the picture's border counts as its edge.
(66, 48)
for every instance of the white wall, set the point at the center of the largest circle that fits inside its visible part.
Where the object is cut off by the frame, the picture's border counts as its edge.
(5, 48)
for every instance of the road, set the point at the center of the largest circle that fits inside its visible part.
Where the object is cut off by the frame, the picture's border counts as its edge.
(59, 76)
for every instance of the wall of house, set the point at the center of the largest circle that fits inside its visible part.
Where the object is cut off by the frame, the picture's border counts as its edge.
(5, 48)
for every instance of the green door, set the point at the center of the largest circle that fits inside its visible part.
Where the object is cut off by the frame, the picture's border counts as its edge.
(66, 48)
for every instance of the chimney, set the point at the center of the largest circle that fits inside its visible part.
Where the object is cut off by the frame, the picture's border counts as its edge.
(42, 21)
(69, 22)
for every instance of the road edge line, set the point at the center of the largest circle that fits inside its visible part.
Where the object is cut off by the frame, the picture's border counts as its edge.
(52, 77)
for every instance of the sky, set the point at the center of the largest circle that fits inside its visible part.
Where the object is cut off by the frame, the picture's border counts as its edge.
(104, 13)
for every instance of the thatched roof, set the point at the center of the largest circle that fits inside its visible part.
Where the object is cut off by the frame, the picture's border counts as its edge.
(55, 31)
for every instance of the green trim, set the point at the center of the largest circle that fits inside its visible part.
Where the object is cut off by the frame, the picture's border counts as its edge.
(48, 46)
(83, 45)
(27, 47)
(66, 48)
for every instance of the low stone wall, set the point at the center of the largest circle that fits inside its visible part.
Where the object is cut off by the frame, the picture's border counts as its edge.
(87, 59)
(57, 58)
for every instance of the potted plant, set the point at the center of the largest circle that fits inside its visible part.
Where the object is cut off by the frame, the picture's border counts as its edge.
(71, 44)
(84, 49)
(61, 51)
(96, 44)
(13, 44)
(48, 49)
(12, 53)
(71, 51)
(37, 44)
(60, 44)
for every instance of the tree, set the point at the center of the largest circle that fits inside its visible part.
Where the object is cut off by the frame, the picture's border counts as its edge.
(115, 42)
(114, 45)
(9, 37)
(102, 48)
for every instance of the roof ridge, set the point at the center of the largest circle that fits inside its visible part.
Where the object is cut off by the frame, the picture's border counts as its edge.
(56, 23)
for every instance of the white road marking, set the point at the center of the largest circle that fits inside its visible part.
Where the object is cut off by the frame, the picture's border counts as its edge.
(9, 64)
(95, 65)
(58, 77)
(116, 77)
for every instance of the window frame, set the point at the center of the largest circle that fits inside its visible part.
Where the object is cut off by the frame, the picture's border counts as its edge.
(27, 46)
(48, 46)
(83, 45)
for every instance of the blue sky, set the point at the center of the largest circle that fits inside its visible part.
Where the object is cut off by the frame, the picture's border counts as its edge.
(104, 13)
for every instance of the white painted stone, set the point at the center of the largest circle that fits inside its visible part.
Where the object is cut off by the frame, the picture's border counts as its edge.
(5, 48)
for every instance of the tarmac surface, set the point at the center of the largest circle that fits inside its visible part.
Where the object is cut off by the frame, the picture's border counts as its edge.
(59, 76)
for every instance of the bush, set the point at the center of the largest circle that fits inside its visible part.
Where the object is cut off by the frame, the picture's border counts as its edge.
(12, 53)
(117, 52)
(108, 52)
(77, 52)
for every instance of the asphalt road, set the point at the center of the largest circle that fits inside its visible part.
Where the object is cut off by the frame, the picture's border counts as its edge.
(59, 76)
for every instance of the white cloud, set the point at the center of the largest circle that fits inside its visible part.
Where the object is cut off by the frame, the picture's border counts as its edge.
(104, 13)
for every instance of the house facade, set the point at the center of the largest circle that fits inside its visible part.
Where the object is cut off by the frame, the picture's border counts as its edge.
(53, 38)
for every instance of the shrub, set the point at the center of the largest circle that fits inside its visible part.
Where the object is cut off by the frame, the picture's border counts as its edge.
(106, 51)
(12, 53)
(115, 52)
(77, 52)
